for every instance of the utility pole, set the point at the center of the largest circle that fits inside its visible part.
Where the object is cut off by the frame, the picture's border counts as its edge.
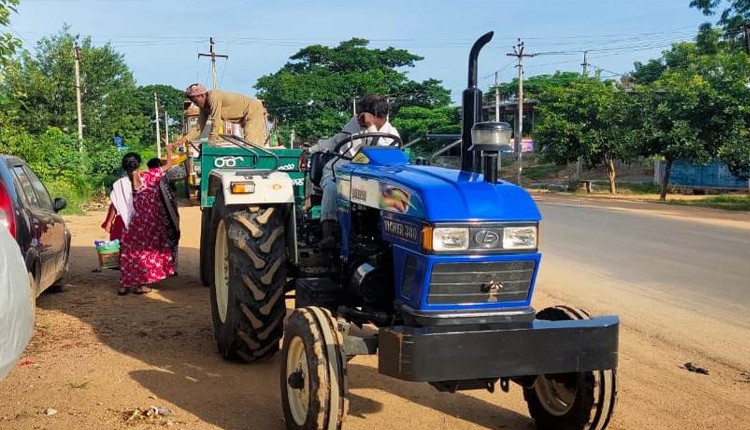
(745, 28)
(585, 74)
(518, 53)
(212, 53)
(497, 100)
(166, 127)
(585, 63)
(77, 56)
(156, 120)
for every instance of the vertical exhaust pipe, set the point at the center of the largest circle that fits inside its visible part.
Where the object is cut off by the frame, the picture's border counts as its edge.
(472, 106)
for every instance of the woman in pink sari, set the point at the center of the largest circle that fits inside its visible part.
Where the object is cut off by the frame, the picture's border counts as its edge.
(145, 254)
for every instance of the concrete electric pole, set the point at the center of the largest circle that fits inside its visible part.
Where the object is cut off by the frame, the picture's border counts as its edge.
(77, 56)
(497, 100)
(585, 64)
(518, 53)
(156, 120)
(212, 53)
(166, 126)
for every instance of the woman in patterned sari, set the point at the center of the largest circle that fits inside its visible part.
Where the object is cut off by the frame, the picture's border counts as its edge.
(145, 254)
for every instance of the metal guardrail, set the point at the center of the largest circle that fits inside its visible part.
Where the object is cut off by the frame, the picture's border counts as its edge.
(444, 149)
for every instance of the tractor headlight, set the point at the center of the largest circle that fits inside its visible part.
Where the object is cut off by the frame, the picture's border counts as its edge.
(522, 237)
(450, 239)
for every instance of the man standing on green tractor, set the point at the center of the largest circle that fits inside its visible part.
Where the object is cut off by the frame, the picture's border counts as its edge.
(372, 116)
(223, 106)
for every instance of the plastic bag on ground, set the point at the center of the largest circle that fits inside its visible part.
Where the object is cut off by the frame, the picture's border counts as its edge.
(16, 303)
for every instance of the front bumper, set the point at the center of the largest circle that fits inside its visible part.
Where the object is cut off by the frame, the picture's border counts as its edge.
(455, 353)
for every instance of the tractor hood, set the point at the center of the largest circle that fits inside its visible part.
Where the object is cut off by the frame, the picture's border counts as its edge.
(383, 179)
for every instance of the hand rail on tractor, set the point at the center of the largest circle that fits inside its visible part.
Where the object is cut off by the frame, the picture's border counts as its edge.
(251, 147)
(444, 149)
(419, 139)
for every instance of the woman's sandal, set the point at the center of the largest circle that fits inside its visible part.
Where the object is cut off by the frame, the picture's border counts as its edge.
(122, 291)
(140, 290)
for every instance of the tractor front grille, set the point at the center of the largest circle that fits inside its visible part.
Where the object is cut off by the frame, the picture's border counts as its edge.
(486, 282)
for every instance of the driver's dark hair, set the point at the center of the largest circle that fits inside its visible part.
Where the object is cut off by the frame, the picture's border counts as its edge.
(131, 162)
(373, 104)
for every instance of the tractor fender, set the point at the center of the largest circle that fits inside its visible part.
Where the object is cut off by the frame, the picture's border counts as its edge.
(270, 187)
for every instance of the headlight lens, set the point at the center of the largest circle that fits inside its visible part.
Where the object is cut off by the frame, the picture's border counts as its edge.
(450, 239)
(520, 237)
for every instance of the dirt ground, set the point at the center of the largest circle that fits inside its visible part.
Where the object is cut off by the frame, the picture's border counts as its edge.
(96, 358)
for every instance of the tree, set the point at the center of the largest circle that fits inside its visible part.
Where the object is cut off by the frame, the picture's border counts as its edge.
(734, 19)
(42, 87)
(170, 100)
(313, 93)
(413, 122)
(534, 86)
(38, 115)
(698, 112)
(8, 43)
(588, 120)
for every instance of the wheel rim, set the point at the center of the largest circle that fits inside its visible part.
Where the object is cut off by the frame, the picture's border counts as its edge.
(221, 271)
(555, 395)
(296, 363)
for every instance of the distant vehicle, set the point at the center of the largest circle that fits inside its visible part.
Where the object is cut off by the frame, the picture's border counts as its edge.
(32, 218)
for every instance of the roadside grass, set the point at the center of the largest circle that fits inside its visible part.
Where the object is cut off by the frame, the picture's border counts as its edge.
(727, 202)
(541, 171)
(650, 192)
(76, 200)
(636, 187)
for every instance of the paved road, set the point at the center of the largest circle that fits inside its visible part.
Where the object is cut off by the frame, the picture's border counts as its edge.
(675, 255)
(691, 266)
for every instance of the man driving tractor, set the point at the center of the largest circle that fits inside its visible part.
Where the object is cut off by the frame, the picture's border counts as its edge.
(372, 116)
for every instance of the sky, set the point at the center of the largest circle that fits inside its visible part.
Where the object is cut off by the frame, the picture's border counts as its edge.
(161, 39)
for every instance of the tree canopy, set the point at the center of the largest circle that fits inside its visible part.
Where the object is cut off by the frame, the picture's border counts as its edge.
(8, 43)
(734, 16)
(586, 120)
(699, 112)
(39, 116)
(314, 92)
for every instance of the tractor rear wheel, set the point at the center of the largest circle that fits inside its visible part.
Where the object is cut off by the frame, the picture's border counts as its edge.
(572, 401)
(204, 264)
(249, 276)
(313, 371)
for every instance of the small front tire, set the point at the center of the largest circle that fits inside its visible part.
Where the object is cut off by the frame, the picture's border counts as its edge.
(572, 401)
(313, 374)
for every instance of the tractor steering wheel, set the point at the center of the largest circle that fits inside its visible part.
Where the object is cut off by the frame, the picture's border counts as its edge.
(373, 136)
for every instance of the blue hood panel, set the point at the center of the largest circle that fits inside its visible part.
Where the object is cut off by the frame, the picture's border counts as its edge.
(446, 195)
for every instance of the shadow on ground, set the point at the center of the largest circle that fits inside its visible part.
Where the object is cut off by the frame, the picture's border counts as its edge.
(170, 331)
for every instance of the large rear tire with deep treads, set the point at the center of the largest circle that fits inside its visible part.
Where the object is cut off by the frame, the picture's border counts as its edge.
(205, 265)
(572, 401)
(247, 288)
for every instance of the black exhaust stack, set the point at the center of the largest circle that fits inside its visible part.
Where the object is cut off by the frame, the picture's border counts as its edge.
(472, 106)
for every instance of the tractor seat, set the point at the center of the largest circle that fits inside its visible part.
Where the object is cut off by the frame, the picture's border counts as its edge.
(318, 160)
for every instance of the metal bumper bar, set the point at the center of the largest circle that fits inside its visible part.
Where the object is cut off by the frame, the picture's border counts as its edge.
(430, 354)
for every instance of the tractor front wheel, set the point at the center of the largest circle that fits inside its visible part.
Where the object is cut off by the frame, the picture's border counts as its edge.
(571, 401)
(249, 276)
(313, 374)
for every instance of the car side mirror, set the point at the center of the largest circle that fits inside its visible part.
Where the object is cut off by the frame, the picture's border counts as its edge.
(59, 204)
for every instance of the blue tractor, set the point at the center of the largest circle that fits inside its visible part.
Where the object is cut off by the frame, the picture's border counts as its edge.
(434, 273)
